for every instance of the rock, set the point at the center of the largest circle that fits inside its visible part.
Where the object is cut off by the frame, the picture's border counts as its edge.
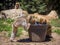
(14, 13)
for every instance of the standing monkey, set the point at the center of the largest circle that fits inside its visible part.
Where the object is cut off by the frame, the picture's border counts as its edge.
(19, 21)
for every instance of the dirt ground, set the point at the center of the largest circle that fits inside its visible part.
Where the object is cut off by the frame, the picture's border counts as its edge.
(24, 40)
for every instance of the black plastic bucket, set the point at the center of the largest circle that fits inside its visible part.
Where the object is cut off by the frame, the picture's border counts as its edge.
(38, 32)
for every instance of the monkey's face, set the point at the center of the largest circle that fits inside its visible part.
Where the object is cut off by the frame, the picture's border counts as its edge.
(17, 6)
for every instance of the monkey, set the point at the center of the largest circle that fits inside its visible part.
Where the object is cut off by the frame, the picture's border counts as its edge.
(18, 23)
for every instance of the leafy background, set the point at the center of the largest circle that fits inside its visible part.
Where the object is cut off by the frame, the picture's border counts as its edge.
(32, 6)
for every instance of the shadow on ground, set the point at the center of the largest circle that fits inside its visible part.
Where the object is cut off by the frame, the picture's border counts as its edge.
(29, 40)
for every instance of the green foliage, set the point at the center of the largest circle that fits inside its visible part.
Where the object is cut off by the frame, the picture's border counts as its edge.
(9, 20)
(19, 31)
(6, 25)
(6, 4)
(57, 31)
(0, 4)
(33, 6)
(56, 23)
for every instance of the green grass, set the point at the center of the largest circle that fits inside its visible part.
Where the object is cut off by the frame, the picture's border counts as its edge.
(56, 23)
(6, 25)
(19, 31)
(57, 31)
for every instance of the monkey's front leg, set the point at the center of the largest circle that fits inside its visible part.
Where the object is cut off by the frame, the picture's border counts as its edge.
(13, 34)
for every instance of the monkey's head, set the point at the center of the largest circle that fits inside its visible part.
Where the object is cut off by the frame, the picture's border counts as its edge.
(17, 5)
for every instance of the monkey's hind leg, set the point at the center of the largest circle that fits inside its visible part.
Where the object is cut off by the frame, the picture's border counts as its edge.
(13, 34)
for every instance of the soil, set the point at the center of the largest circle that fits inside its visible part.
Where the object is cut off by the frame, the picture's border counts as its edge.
(24, 40)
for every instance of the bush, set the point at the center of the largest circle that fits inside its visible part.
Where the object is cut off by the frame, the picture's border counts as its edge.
(33, 6)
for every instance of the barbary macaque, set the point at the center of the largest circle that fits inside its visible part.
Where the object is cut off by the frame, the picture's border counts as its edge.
(19, 21)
